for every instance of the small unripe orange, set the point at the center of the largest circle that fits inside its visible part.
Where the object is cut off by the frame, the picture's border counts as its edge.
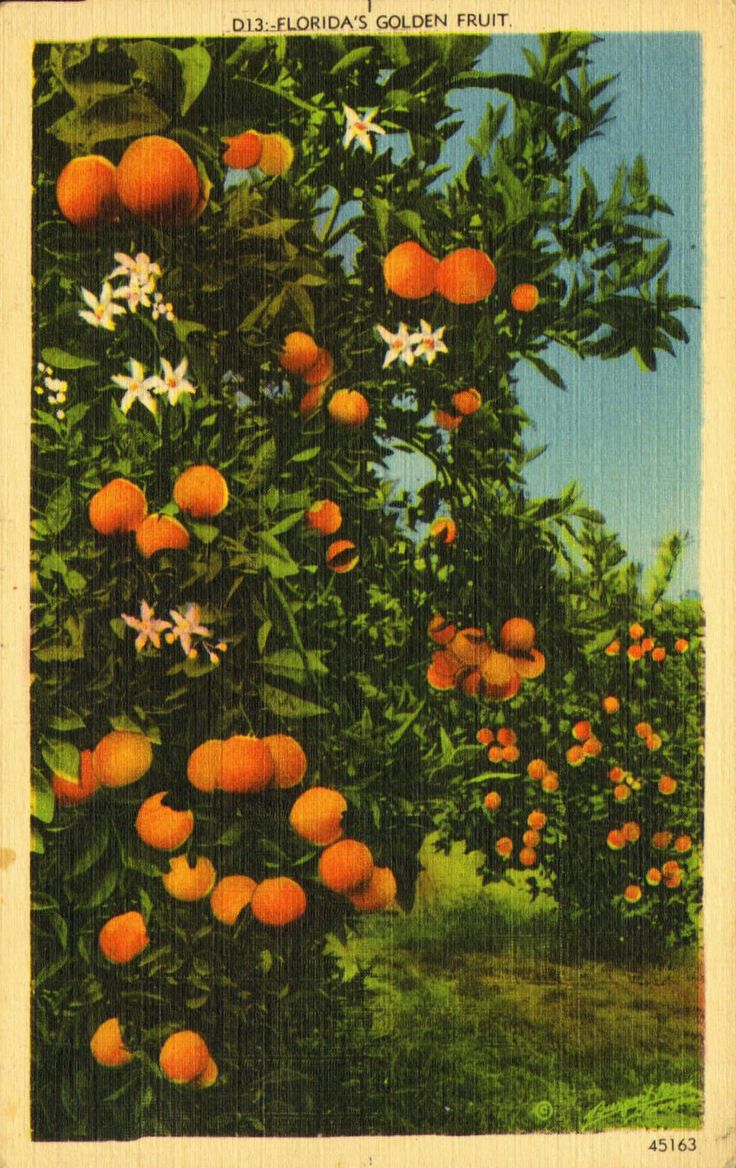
(582, 731)
(537, 819)
(550, 782)
(632, 893)
(537, 769)
(504, 846)
(492, 801)
(610, 704)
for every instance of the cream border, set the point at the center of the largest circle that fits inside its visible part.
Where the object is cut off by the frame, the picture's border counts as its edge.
(20, 24)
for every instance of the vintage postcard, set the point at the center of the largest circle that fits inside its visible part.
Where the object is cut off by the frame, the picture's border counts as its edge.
(367, 568)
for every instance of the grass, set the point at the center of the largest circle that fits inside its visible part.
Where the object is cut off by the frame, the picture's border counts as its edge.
(478, 1026)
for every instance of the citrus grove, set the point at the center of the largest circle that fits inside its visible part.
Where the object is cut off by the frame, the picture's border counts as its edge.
(264, 671)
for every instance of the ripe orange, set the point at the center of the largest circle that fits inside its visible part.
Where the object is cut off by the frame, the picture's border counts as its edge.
(377, 893)
(532, 838)
(184, 1056)
(158, 182)
(575, 756)
(320, 370)
(299, 353)
(289, 760)
(592, 747)
(616, 840)
(86, 192)
(345, 865)
(441, 630)
(525, 297)
(278, 901)
(613, 648)
(121, 757)
(517, 635)
(341, 556)
(243, 151)
(643, 730)
(647, 644)
(492, 801)
(117, 508)
(107, 1045)
(506, 736)
(163, 827)
(633, 893)
(528, 857)
(582, 731)
(204, 767)
(495, 754)
(347, 407)
(443, 671)
(185, 883)
(537, 769)
(673, 881)
(67, 792)
(247, 765)
(681, 645)
(511, 753)
(208, 1076)
(662, 839)
(499, 676)
(654, 877)
(316, 815)
(536, 819)
(666, 785)
(683, 843)
(484, 736)
(443, 530)
(635, 652)
(311, 401)
(230, 896)
(277, 154)
(470, 646)
(467, 401)
(201, 491)
(324, 516)
(670, 868)
(468, 680)
(631, 831)
(611, 705)
(659, 653)
(636, 631)
(465, 276)
(616, 773)
(530, 665)
(409, 271)
(504, 846)
(550, 782)
(123, 937)
(161, 533)
(445, 421)
(653, 742)
(621, 792)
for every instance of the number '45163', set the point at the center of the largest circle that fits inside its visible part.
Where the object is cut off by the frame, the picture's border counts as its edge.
(670, 1144)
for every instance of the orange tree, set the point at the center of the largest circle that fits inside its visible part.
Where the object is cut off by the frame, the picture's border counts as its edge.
(258, 329)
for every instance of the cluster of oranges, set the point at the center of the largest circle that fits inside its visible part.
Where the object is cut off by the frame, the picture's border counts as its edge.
(273, 154)
(668, 875)
(586, 745)
(502, 746)
(120, 757)
(619, 837)
(120, 507)
(465, 402)
(325, 517)
(155, 180)
(539, 772)
(246, 765)
(470, 663)
(640, 645)
(528, 855)
(184, 1057)
(649, 737)
(302, 356)
(625, 783)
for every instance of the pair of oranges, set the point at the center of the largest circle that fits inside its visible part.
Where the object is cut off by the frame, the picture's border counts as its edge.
(184, 1057)
(120, 758)
(325, 517)
(465, 276)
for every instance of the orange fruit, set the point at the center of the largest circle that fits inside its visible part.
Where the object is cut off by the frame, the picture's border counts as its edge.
(346, 865)
(653, 742)
(550, 782)
(445, 421)
(243, 151)
(592, 747)
(161, 533)
(470, 646)
(643, 730)
(659, 653)
(575, 756)
(247, 765)
(324, 516)
(616, 773)
(107, 1045)
(311, 401)
(465, 276)
(531, 838)
(495, 754)
(611, 705)
(117, 508)
(670, 868)
(673, 881)
(298, 353)
(204, 767)
(341, 556)
(67, 792)
(441, 630)
(632, 893)
(163, 827)
(683, 843)
(492, 801)
(613, 648)
(662, 839)
(347, 407)
(525, 297)
(484, 736)
(631, 831)
(230, 896)
(123, 937)
(582, 731)
(86, 192)
(621, 792)
(504, 846)
(681, 645)
(654, 877)
(201, 491)
(277, 154)
(208, 1076)
(409, 271)
(443, 530)
(185, 883)
(377, 893)
(647, 644)
(320, 370)
(121, 757)
(184, 1056)
(616, 840)
(528, 857)
(278, 901)
(536, 819)
(158, 182)
(506, 736)
(316, 815)
(666, 785)
(511, 753)
(635, 652)
(636, 631)
(537, 769)
(289, 760)
(499, 676)
(467, 401)
(517, 635)
(441, 675)
(530, 665)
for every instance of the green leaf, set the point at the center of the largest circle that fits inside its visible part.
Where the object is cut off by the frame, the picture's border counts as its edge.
(182, 329)
(517, 86)
(105, 888)
(351, 58)
(303, 301)
(382, 210)
(263, 631)
(306, 455)
(94, 848)
(42, 800)
(61, 359)
(412, 220)
(59, 508)
(274, 229)
(287, 663)
(37, 844)
(545, 369)
(446, 747)
(159, 66)
(62, 758)
(66, 721)
(195, 70)
(205, 532)
(288, 705)
(130, 115)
